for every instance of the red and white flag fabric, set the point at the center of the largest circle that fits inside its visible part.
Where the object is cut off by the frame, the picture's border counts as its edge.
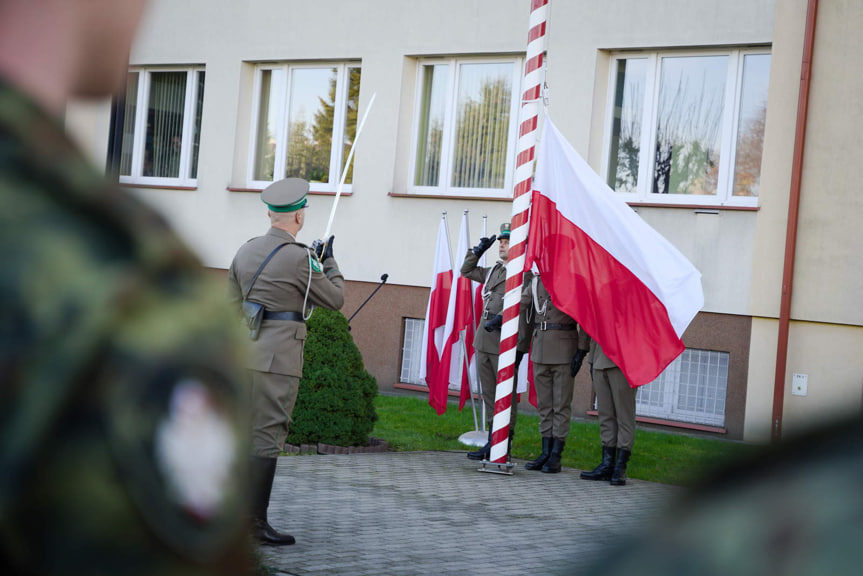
(624, 283)
(432, 369)
(460, 319)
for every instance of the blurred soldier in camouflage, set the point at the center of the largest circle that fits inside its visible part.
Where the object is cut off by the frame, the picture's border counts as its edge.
(122, 438)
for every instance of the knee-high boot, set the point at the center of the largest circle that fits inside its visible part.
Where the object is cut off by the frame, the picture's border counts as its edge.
(605, 468)
(552, 465)
(484, 452)
(618, 477)
(543, 458)
(263, 472)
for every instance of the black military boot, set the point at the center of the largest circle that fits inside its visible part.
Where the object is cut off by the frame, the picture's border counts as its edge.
(552, 465)
(543, 458)
(484, 452)
(618, 477)
(263, 472)
(605, 468)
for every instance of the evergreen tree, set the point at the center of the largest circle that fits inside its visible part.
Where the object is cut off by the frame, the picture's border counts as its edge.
(335, 404)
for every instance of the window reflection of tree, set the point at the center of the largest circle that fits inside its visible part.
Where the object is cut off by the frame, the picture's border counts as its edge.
(482, 135)
(687, 140)
(626, 129)
(750, 145)
(310, 143)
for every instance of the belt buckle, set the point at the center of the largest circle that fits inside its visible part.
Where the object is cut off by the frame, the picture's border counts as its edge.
(542, 325)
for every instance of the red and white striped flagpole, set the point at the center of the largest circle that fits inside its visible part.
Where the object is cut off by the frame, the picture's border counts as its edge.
(518, 235)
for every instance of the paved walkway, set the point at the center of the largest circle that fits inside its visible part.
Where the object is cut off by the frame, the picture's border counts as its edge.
(432, 513)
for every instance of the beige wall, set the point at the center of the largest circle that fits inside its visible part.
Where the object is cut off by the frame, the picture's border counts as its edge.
(740, 254)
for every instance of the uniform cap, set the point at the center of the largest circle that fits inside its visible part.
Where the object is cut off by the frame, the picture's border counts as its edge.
(504, 231)
(288, 195)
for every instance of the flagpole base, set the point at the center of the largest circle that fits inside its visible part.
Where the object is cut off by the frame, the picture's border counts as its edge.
(504, 468)
(474, 438)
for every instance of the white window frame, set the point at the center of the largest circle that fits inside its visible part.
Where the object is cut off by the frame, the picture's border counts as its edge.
(140, 128)
(647, 158)
(339, 120)
(447, 149)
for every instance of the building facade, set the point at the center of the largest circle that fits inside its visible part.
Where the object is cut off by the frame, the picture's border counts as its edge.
(688, 109)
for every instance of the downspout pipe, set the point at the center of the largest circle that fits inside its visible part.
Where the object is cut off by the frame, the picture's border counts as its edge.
(791, 227)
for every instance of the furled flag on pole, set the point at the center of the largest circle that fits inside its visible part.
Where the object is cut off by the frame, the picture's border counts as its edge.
(432, 369)
(460, 318)
(630, 288)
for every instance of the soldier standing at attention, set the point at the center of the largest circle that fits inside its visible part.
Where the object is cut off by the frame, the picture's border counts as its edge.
(487, 339)
(615, 401)
(285, 279)
(123, 436)
(557, 352)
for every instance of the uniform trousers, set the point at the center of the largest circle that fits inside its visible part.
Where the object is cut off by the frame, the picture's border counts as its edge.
(273, 398)
(615, 401)
(554, 387)
(486, 367)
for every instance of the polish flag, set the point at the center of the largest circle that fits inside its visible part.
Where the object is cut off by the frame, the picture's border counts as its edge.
(460, 318)
(625, 284)
(432, 369)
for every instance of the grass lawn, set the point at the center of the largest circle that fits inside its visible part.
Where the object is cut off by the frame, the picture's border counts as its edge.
(408, 423)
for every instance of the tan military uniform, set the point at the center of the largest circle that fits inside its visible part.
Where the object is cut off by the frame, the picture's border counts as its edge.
(615, 401)
(487, 344)
(276, 357)
(555, 340)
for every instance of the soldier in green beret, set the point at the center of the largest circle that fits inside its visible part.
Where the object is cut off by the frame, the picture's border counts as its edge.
(278, 280)
(123, 435)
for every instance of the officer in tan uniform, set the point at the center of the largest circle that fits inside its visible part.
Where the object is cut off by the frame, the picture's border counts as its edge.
(288, 279)
(615, 401)
(487, 339)
(558, 350)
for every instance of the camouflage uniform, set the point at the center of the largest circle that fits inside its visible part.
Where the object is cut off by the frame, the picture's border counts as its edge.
(789, 509)
(122, 435)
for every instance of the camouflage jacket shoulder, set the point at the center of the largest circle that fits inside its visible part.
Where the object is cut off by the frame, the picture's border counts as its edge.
(107, 319)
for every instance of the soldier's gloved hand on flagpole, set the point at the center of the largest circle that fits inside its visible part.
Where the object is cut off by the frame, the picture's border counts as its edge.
(575, 366)
(494, 323)
(484, 244)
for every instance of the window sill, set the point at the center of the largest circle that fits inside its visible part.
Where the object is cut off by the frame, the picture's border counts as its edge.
(446, 197)
(673, 423)
(156, 186)
(694, 206)
(311, 192)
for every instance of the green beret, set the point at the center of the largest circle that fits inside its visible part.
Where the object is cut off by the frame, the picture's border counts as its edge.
(288, 195)
(504, 231)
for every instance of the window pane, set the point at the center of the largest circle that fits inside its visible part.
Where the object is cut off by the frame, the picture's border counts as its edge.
(689, 127)
(310, 123)
(352, 107)
(130, 108)
(626, 125)
(430, 139)
(272, 84)
(750, 127)
(164, 136)
(196, 137)
(482, 125)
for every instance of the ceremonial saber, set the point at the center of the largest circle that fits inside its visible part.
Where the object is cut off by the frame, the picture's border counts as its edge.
(528, 119)
(347, 166)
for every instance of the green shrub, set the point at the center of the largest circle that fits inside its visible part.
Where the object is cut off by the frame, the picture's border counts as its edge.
(335, 404)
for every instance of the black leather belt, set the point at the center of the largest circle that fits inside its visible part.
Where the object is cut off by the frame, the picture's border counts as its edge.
(292, 316)
(550, 326)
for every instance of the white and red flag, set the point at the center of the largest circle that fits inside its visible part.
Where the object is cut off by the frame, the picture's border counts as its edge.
(624, 283)
(432, 367)
(460, 319)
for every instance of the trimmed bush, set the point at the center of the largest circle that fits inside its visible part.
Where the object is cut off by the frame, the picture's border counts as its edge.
(335, 403)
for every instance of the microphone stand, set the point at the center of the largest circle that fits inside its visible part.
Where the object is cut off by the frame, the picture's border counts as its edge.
(383, 281)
